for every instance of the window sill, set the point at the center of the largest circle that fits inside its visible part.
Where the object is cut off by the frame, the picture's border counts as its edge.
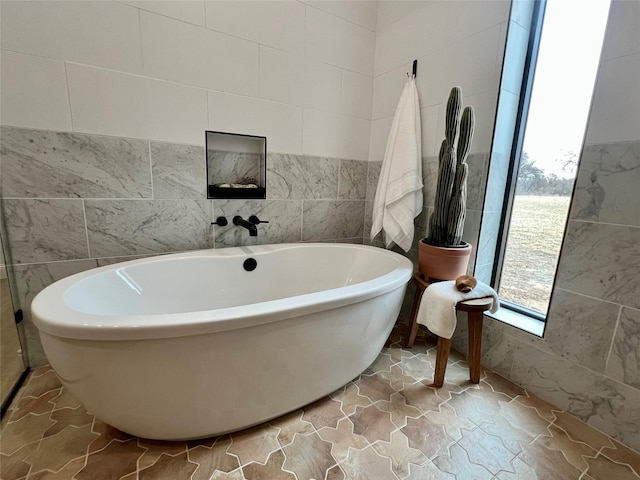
(519, 321)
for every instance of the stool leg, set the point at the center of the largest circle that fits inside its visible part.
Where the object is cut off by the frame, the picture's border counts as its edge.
(475, 345)
(442, 355)
(413, 324)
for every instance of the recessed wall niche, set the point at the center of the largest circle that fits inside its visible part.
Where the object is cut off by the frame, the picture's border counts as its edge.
(236, 165)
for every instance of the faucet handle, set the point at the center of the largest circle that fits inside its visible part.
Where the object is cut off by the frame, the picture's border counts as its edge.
(255, 220)
(222, 221)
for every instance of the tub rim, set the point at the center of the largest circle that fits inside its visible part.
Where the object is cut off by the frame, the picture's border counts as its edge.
(49, 309)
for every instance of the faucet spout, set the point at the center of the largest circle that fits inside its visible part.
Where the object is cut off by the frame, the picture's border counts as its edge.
(253, 230)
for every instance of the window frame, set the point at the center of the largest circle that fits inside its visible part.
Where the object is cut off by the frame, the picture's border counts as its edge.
(531, 59)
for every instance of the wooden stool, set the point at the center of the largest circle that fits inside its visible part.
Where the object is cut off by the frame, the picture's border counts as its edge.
(474, 309)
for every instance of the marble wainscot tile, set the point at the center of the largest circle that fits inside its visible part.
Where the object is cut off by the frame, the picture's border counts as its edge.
(328, 219)
(476, 180)
(32, 279)
(624, 361)
(135, 227)
(601, 261)
(498, 348)
(606, 187)
(284, 217)
(179, 171)
(429, 179)
(496, 182)
(39, 163)
(603, 403)
(580, 328)
(45, 230)
(373, 176)
(299, 177)
(231, 167)
(353, 180)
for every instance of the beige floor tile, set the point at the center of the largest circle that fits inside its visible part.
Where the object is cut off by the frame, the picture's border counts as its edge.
(429, 471)
(447, 418)
(114, 461)
(372, 423)
(373, 428)
(342, 438)
(603, 468)
(457, 463)
(396, 378)
(210, 459)
(572, 451)
(381, 364)
(272, 470)
(398, 409)
(581, 432)
(289, 425)
(155, 448)
(34, 405)
(548, 463)
(55, 451)
(309, 456)
(488, 450)
(367, 464)
(400, 454)
(622, 454)
(430, 439)
(254, 444)
(375, 388)
(544, 409)
(323, 413)
(65, 473)
(502, 385)
(350, 398)
(168, 467)
(29, 428)
(524, 418)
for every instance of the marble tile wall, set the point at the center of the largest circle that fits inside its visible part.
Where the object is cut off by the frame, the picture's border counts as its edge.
(75, 201)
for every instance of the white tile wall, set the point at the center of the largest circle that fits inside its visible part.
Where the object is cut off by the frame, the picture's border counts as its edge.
(413, 36)
(387, 88)
(355, 95)
(360, 12)
(614, 114)
(190, 11)
(432, 136)
(279, 122)
(337, 42)
(194, 55)
(328, 134)
(96, 33)
(112, 103)
(34, 92)
(279, 24)
(467, 17)
(380, 129)
(624, 39)
(282, 76)
(390, 11)
(191, 57)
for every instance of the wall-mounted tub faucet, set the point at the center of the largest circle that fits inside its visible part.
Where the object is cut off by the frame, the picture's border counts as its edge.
(253, 230)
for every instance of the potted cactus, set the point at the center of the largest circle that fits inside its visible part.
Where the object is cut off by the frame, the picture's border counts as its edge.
(442, 254)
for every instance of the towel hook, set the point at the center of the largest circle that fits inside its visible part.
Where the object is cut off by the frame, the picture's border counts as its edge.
(415, 69)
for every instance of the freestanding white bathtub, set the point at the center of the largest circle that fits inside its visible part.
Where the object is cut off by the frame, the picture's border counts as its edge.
(192, 345)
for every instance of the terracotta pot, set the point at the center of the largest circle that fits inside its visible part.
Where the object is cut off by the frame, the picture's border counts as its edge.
(443, 263)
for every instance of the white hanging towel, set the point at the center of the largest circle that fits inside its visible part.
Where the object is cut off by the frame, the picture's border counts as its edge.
(438, 305)
(398, 198)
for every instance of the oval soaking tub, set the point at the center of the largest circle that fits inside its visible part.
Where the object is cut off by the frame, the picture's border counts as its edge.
(192, 345)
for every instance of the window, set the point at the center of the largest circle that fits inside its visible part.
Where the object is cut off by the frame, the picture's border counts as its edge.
(559, 75)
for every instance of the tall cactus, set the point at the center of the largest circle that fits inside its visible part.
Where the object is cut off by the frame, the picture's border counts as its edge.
(449, 212)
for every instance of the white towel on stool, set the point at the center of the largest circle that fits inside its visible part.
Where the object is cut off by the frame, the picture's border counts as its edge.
(438, 305)
(398, 198)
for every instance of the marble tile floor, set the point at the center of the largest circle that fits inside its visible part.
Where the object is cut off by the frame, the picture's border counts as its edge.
(388, 423)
